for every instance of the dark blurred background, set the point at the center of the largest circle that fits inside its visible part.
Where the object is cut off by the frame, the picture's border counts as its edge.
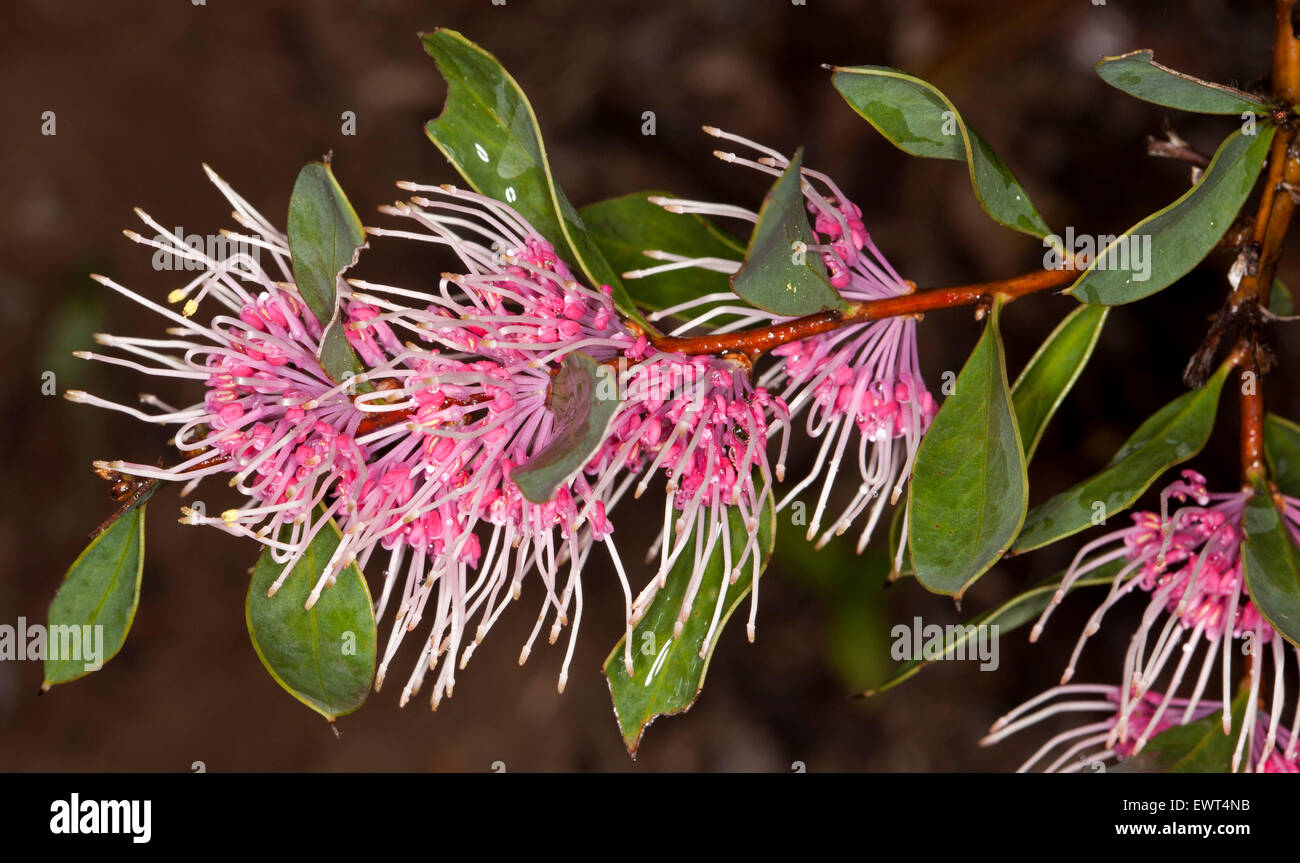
(145, 91)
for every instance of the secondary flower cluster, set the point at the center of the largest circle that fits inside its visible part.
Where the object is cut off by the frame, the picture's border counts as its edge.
(1189, 564)
(416, 457)
(859, 381)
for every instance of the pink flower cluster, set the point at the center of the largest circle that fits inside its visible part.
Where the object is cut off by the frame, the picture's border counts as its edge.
(1116, 735)
(415, 456)
(1189, 564)
(859, 381)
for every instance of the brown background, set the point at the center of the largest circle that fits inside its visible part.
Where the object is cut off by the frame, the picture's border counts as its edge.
(145, 91)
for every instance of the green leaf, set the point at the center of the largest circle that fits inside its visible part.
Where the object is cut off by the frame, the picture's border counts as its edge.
(1052, 371)
(583, 400)
(969, 490)
(918, 119)
(1137, 74)
(1165, 246)
(779, 273)
(489, 133)
(625, 228)
(668, 673)
(1282, 449)
(101, 591)
(1170, 436)
(325, 238)
(323, 656)
(1269, 559)
(1198, 747)
(1008, 616)
(1280, 301)
(338, 359)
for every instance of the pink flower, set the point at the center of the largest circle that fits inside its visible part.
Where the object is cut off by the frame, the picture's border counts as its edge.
(859, 381)
(708, 425)
(270, 415)
(1117, 734)
(1189, 564)
(419, 467)
(699, 419)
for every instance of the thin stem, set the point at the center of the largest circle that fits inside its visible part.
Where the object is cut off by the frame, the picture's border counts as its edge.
(1286, 55)
(1252, 419)
(1273, 219)
(753, 343)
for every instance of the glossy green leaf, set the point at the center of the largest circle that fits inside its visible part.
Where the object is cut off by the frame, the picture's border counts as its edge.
(1165, 246)
(969, 490)
(1198, 747)
(583, 400)
(1052, 371)
(1282, 449)
(325, 238)
(625, 228)
(1280, 301)
(489, 133)
(1271, 563)
(668, 673)
(918, 119)
(323, 656)
(1170, 436)
(779, 273)
(95, 606)
(1008, 616)
(338, 359)
(1137, 74)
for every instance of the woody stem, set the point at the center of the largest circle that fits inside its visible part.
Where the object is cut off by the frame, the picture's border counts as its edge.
(753, 343)
(1272, 221)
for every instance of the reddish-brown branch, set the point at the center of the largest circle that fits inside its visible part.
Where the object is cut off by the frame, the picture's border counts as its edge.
(1262, 246)
(753, 343)
(1272, 219)
(1272, 222)
(383, 419)
(1286, 55)
(1252, 419)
